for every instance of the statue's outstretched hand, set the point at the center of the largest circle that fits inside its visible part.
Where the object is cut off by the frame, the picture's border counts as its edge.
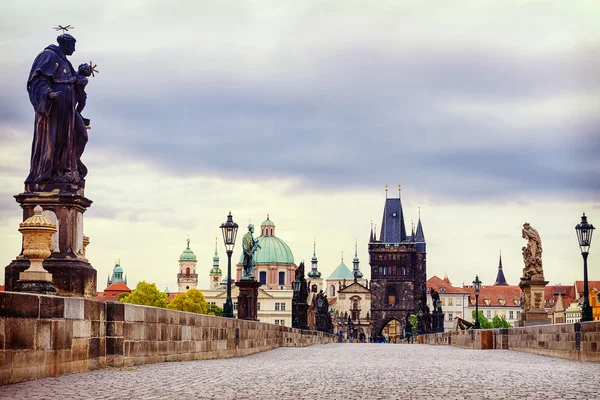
(53, 95)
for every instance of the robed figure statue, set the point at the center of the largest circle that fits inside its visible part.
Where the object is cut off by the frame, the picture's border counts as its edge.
(57, 96)
(249, 246)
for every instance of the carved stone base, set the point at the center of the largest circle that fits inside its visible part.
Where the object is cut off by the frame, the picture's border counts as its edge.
(248, 299)
(38, 287)
(71, 272)
(71, 277)
(533, 307)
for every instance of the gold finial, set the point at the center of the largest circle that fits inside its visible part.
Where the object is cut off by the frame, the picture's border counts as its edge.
(216, 240)
(267, 215)
(342, 255)
(419, 212)
(399, 188)
(315, 241)
(119, 261)
(386, 190)
(188, 241)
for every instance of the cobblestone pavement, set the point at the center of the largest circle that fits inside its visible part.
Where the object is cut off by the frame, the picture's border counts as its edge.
(334, 371)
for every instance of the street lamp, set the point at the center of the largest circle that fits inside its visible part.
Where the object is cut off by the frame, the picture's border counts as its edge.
(477, 287)
(296, 288)
(229, 229)
(584, 236)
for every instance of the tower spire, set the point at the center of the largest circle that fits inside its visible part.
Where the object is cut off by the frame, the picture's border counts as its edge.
(314, 273)
(356, 262)
(500, 279)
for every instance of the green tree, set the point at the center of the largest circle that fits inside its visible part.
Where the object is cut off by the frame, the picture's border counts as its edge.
(414, 323)
(483, 321)
(146, 294)
(213, 309)
(190, 301)
(122, 295)
(500, 322)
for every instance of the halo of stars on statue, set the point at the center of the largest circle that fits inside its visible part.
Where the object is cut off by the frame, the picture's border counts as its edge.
(65, 29)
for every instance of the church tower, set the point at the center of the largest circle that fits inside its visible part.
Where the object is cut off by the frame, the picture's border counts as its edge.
(398, 268)
(316, 281)
(215, 272)
(356, 262)
(187, 278)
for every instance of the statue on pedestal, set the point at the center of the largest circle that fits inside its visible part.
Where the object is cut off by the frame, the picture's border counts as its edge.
(249, 246)
(532, 253)
(57, 94)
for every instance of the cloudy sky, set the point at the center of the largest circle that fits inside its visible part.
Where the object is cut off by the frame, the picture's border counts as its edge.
(486, 112)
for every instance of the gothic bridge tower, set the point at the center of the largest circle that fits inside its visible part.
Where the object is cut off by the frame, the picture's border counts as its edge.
(398, 268)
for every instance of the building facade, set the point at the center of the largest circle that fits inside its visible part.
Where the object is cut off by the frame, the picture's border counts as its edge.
(116, 285)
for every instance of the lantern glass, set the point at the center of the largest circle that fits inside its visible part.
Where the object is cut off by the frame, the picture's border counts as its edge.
(229, 229)
(477, 285)
(584, 234)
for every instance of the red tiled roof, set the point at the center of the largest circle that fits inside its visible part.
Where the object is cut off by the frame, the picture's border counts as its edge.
(511, 295)
(437, 284)
(117, 287)
(591, 285)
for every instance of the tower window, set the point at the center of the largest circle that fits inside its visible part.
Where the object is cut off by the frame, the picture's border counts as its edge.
(282, 278)
(332, 291)
(262, 277)
(187, 271)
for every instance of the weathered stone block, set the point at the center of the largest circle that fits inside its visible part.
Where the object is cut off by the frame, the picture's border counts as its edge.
(115, 345)
(115, 311)
(20, 333)
(74, 308)
(19, 305)
(134, 313)
(81, 328)
(114, 328)
(94, 310)
(62, 334)
(52, 307)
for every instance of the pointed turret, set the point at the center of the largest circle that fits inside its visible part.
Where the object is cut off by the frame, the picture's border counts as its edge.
(355, 262)
(314, 273)
(420, 236)
(392, 223)
(500, 280)
(371, 236)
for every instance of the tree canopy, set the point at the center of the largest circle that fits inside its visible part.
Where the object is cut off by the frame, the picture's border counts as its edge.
(213, 309)
(496, 322)
(190, 301)
(146, 294)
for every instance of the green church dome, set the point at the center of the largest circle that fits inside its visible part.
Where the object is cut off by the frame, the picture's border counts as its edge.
(188, 254)
(267, 222)
(118, 269)
(272, 251)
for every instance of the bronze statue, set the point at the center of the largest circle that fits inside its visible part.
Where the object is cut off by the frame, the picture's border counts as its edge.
(532, 253)
(56, 92)
(249, 246)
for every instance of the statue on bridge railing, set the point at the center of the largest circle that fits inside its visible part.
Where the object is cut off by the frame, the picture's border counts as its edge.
(249, 246)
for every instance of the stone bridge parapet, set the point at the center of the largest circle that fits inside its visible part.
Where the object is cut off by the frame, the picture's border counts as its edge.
(43, 336)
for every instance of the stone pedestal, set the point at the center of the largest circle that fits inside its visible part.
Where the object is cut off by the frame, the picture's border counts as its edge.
(248, 299)
(533, 307)
(71, 272)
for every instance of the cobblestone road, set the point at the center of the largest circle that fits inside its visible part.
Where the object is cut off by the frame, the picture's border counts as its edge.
(334, 371)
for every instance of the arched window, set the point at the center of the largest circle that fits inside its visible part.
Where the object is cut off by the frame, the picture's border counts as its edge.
(332, 290)
(262, 277)
(282, 278)
(187, 271)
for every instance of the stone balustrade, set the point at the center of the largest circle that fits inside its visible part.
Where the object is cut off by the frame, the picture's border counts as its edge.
(579, 341)
(43, 336)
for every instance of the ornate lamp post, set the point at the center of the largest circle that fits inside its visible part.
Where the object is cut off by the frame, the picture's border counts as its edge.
(477, 287)
(584, 236)
(296, 288)
(229, 229)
